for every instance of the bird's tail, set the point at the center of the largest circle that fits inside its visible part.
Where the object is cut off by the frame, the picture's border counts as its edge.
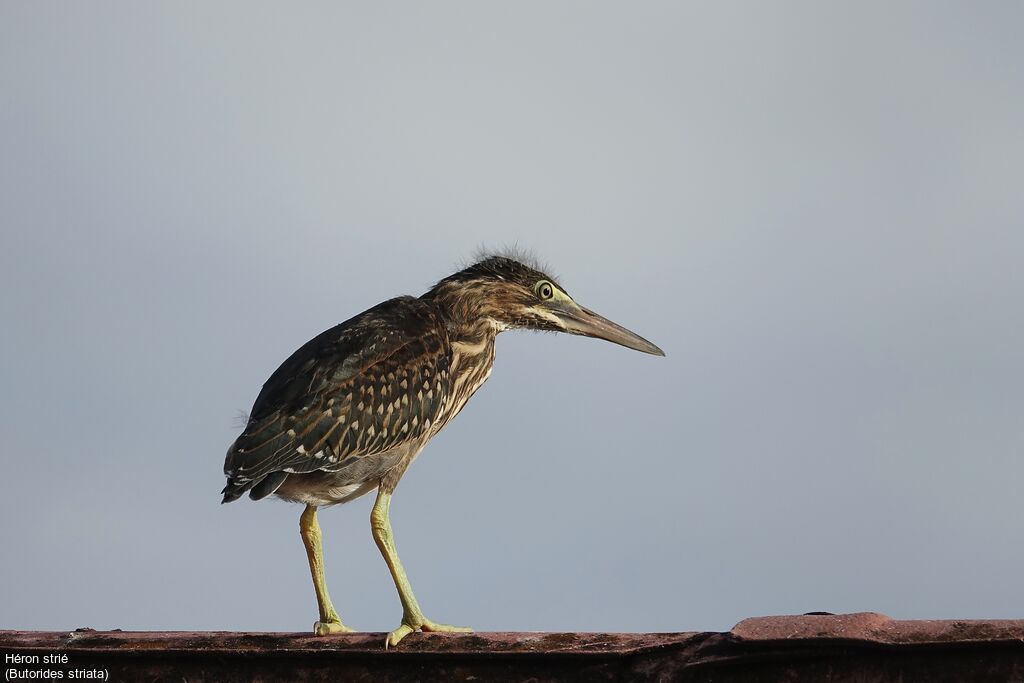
(258, 489)
(234, 491)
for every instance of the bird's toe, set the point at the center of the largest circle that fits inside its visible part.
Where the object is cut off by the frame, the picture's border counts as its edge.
(433, 626)
(425, 625)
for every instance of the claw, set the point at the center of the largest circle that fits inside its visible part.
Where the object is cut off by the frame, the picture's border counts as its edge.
(326, 628)
(395, 637)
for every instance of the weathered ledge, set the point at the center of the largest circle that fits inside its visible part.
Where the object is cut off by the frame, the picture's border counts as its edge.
(851, 647)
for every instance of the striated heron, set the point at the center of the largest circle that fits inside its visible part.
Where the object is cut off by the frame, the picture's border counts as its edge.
(350, 410)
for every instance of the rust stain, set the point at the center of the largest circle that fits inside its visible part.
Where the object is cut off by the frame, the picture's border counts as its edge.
(877, 628)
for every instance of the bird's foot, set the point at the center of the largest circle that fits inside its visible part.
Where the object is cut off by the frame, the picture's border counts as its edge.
(326, 628)
(411, 624)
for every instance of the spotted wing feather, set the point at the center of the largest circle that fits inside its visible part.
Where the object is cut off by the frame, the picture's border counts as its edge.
(363, 387)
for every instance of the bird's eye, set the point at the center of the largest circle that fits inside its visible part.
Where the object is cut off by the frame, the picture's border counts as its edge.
(544, 290)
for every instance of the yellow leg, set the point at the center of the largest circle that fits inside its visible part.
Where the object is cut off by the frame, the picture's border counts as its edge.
(412, 615)
(311, 538)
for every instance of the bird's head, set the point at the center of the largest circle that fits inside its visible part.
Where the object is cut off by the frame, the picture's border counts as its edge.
(513, 295)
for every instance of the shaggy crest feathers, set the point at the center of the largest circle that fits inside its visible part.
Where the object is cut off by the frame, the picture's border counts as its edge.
(512, 252)
(509, 263)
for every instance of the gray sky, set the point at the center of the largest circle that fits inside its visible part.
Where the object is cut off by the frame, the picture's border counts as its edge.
(814, 208)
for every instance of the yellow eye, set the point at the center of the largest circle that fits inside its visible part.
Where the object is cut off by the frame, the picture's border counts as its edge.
(544, 290)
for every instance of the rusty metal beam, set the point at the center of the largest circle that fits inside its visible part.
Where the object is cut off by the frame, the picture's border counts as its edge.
(853, 647)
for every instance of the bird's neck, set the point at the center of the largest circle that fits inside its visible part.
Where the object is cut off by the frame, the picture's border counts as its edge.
(467, 319)
(471, 333)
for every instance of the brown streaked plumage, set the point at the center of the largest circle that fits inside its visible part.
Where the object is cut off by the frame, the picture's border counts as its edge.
(353, 407)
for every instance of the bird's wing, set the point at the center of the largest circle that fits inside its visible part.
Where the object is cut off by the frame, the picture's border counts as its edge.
(363, 387)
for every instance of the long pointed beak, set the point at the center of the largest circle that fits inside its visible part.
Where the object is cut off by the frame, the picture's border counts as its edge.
(583, 321)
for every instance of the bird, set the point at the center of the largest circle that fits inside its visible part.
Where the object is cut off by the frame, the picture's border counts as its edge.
(349, 411)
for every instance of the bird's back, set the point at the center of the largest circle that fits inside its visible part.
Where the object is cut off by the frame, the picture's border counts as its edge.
(367, 386)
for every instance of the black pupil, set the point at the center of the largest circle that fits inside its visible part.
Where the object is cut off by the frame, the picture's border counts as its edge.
(545, 291)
